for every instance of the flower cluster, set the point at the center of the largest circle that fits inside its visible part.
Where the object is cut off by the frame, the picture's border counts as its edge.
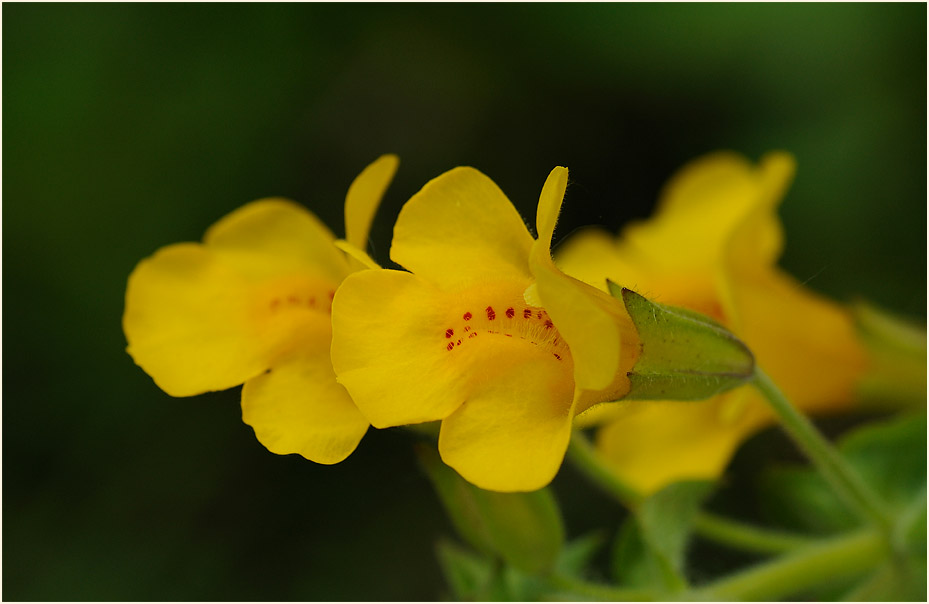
(712, 247)
(483, 330)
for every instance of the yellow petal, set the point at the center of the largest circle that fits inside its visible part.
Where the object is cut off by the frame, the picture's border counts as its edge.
(656, 443)
(273, 237)
(389, 348)
(188, 322)
(716, 215)
(590, 255)
(511, 435)
(358, 255)
(364, 196)
(700, 209)
(461, 229)
(758, 239)
(298, 407)
(209, 317)
(550, 205)
(595, 326)
(806, 343)
(591, 322)
(593, 256)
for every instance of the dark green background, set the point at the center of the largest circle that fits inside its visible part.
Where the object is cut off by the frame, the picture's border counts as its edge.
(128, 127)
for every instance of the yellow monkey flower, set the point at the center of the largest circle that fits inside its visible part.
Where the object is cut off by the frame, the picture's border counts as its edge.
(712, 247)
(251, 305)
(483, 333)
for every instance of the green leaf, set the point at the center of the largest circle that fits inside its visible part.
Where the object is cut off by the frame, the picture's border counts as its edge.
(577, 555)
(889, 455)
(634, 564)
(650, 548)
(525, 529)
(467, 574)
(666, 518)
(799, 498)
(684, 355)
(522, 587)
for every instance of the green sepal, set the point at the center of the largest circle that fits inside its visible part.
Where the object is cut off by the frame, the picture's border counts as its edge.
(524, 529)
(684, 354)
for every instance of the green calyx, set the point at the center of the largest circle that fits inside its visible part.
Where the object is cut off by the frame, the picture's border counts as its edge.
(685, 355)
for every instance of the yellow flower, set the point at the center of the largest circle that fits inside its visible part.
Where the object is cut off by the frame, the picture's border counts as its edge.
(251, 305)
(712, 247)
(484, 333)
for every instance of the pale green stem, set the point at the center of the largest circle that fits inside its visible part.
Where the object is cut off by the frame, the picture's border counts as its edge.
(843, 478)
(721, 530)
(807, 567)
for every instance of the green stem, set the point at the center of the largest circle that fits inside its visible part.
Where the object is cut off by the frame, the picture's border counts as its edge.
(807, 567)
(747, 537)
(843, 478)
(721, 530)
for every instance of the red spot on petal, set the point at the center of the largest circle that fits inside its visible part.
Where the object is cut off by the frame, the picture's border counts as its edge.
(491, 315)
(510, 312)
(509, 335)
(466, 316)
(311, 302)
(527, 313)
(459, 343)
(548, 324)
(471, 335)
(557, 356)
(449, 333)
(450, 346)
(467, 328)
(539, 315)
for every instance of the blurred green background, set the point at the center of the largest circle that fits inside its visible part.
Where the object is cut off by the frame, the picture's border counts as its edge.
(128, 127)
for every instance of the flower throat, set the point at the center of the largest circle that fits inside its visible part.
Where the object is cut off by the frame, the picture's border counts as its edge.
(529, 323)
